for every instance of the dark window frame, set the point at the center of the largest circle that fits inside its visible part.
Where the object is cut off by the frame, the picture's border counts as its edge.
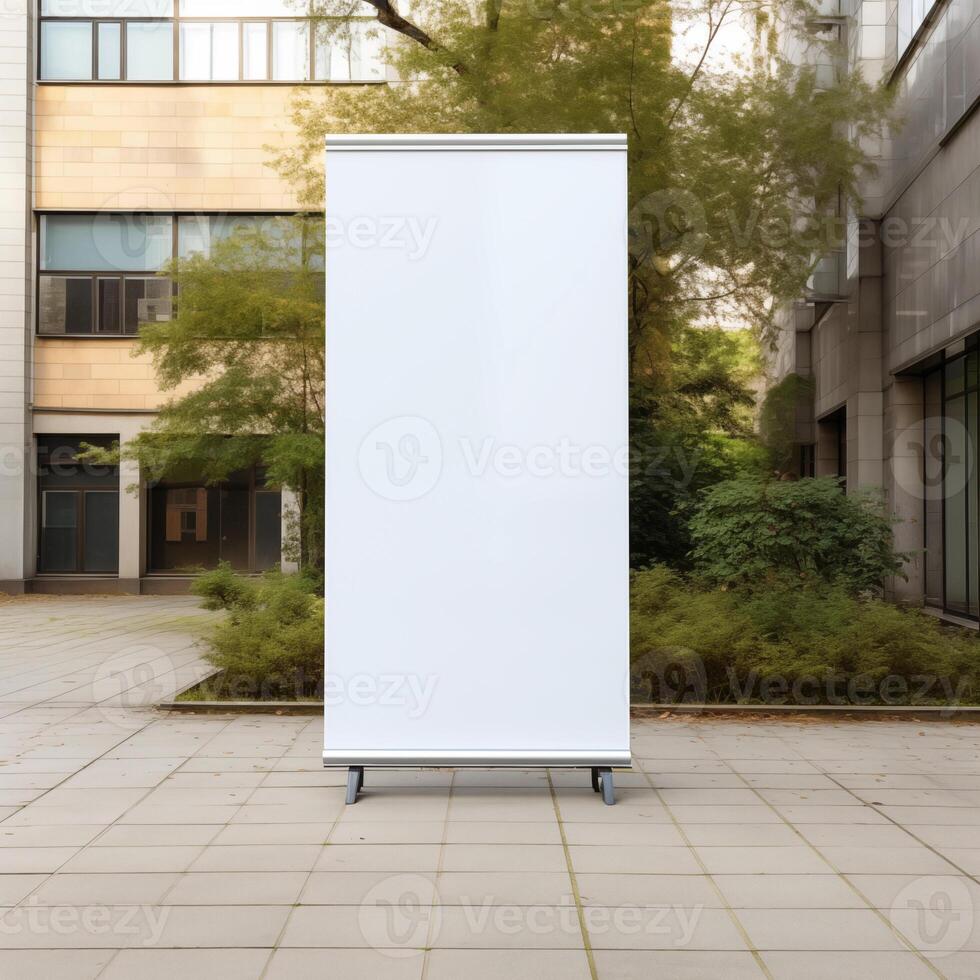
(95, 277)
(970, 349)
(80, 489)
(124, 274)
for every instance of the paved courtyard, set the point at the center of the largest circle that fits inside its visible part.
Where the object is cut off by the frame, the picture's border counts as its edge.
(136, 844)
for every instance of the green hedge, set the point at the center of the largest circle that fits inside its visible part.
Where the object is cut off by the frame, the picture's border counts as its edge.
(780, 644)
(270, 646)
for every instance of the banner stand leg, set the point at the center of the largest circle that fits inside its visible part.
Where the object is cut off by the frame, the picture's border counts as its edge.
(602, 782)
(355, 782)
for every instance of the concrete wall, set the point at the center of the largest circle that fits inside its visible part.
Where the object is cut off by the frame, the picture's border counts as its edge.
(16, 107)
(932, 253)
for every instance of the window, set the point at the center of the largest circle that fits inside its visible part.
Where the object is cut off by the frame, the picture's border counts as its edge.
(193, 526)
(255, 51)
(136, 40)
(110, 51)
(98, 274)
(79, 507)
(65, 304)
(208, 51)
(351, 54)
(108, 8)
(95, 272)
(66, 50)
(107, 242)
(290, 50)
(149, 50)
(961, 530)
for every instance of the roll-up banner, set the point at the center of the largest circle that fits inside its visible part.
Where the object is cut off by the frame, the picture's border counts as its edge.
(476, 487)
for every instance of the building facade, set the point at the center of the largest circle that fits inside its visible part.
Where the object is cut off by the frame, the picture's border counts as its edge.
(887, 334)
(132, 131)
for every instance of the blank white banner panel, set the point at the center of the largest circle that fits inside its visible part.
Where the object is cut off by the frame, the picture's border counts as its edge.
(477, 515)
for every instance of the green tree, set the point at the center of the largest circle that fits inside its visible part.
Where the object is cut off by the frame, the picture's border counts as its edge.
(730, 168)
(730, 172)
(244, 356)
(688, 433)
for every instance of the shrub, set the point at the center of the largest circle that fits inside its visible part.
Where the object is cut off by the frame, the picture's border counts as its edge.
(223, 589)
(749, 531)
(795, 645)
(270, 645)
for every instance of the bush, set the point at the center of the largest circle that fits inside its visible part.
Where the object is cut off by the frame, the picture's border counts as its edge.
(750, 531)
(270, 646)
(790, 645)
(223, 589)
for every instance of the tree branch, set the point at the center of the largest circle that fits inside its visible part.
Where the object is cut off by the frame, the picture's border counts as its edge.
(389, 17)
(713, 29)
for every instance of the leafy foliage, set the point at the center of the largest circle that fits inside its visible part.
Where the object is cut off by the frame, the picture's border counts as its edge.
(777, 419)
(244, 355)
(730, 171)
(786, 644)
(751, 530)
(270, 646)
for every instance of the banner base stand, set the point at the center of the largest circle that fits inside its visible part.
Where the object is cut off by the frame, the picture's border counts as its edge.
(602, 782)
(355, 781)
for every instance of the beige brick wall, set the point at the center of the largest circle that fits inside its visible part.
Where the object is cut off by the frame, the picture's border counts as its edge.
(195, 147)
(79, 374)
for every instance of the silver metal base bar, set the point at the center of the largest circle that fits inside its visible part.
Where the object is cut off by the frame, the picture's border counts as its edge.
(512, 759)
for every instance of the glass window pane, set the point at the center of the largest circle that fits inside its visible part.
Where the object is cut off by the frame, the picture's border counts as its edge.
(956, 483)
(224, 52)
(147, 301)
(268, 529)
(243, 8)
(108, 293)
(290, 50)
(193, 235)
(58, 465)
(208, 52)
(178, 542)
(59, 531)
(972, 539)
(350, 54)
(255, 51)
(66, 50)
(195, 51)
(100, 547)
(196, 233)
(955, 376)
(234, 527)
(108, 8)
(109, 51)
(105, 242)
(65, 304)
(149, 51)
